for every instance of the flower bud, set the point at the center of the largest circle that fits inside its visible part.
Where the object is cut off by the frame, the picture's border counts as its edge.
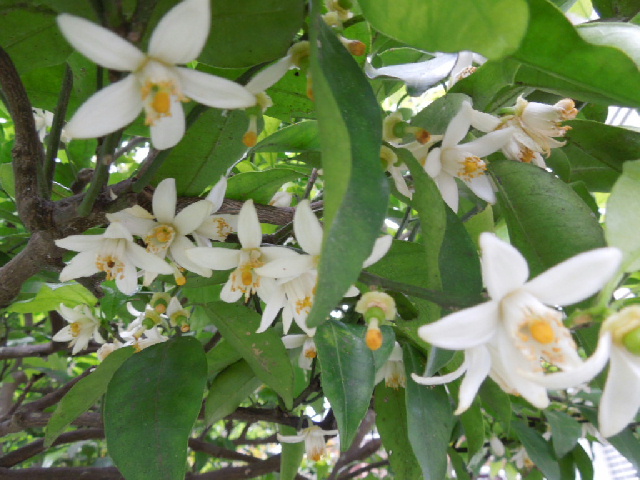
(160, 301)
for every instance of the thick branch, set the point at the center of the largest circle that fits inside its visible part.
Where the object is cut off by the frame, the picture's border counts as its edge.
(23, 351)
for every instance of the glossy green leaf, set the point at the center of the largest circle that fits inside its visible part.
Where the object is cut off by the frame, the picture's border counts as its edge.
(290, 100)
(586, 72)
(458, 464)
(391, 421)
(565, 431)
(583, 463)
(264, 352)
(151, 405)
(221, 356)
(624, 36)
(356, 189)
(228, 389)
(347, 375)
(492, 28)
(84, 394)
(299, 137)
(548, 222)
(437, 115)
(259, 186)
(496, 402)
(51, 295)
(431, 419)
(622, 221)
(211, 146)
(473, 423)
(292, 454)
(538, 449)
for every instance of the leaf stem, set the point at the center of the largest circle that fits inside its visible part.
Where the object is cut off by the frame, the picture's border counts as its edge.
(101, 174)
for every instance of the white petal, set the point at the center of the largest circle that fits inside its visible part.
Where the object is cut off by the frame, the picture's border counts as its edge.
(307, 229)
(433, 164)
(464, 329)
(118, 230)
(504, 269)
(63, 335)
(479, 364)
(229, 295)
(442, 379)
(99, 44)
(449, 190)
(287, 267)
(294, 341)
(292, 438)
(482, 187)
(127, 282)
(216, 195)
(274, 304)
(577, 278)
(380, 248)
(80, 243)
(215, 258)
(192, 216)
(489, 143)
(484, 122)
(108, 110)
(181, 34)
(82, 265)
(458, 127)
(178, 249)
(166, 132)
(164, 201)
(149, 262)
(269, 76)
(249, 230)
(576, 376)
(621, 396)
(214, 91)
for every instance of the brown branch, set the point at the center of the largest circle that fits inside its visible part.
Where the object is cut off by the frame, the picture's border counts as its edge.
(34, 448)
(21, 421)
(219, 452)
(358, 451)
(28, 153)
(252, 414)
(39, 350)
(359, 471)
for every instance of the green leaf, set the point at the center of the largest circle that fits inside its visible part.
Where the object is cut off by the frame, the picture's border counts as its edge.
(496, 402)
(51, 295)
(458, 464)
(565, 431)
(391, 420)
(347, 375)
(538, 449)
(472, 421)
(583, 463)
(84, 394)
(151, 405)
(299, 137)
(221, 356)
(493, 28)
(431, 417)
(230, 387)
(616, 8)
(259, 186)
(264, 352)
(211, 146)
(292, 454)
(622, 221)
(437, 115)
(251, 32)
(624, 36)
(356, 189)
(581, 73)
(548, 222)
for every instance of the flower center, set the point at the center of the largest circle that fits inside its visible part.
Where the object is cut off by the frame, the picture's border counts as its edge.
(472, 167)
(156, 97)
(76, 328)
(244, 277)
(111, 265)
(160, 238)
(542, 332)
(304, 305)
(310, 353)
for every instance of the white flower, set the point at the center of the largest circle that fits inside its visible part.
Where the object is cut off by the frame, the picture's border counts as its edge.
(281, 199)
(454, 160)
(396, 169)
(393, 372)
(515, 330)
(619, 343)
(82, 327)
(115, 253)
(156, 84)
(165, 232)
(308, 351)
(244, 280)
(43, 120)
(216, 227)
(313, 441)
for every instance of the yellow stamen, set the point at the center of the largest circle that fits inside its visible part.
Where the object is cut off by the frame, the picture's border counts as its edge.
(75, 329)
(310, 353)
(305, 304)
(160, 238)
(162, 103)
(472, 167)
(110, 265)
(542, 332)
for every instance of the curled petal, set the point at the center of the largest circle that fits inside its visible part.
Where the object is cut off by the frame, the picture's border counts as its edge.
(380, 248)
(107, 110)
(99, 44)
(307, 229)
(441, 379)
(214, 91)
(216, 195)
(621, 396)
(181, 34)
(465, 329)
(478, 360)
(577, 278)
(504, 269)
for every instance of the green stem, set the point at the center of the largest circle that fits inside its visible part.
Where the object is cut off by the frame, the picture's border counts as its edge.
(101, 174)
(56, 130)
(443, 299)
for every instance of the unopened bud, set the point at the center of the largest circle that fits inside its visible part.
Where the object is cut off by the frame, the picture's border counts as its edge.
(159, 302)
